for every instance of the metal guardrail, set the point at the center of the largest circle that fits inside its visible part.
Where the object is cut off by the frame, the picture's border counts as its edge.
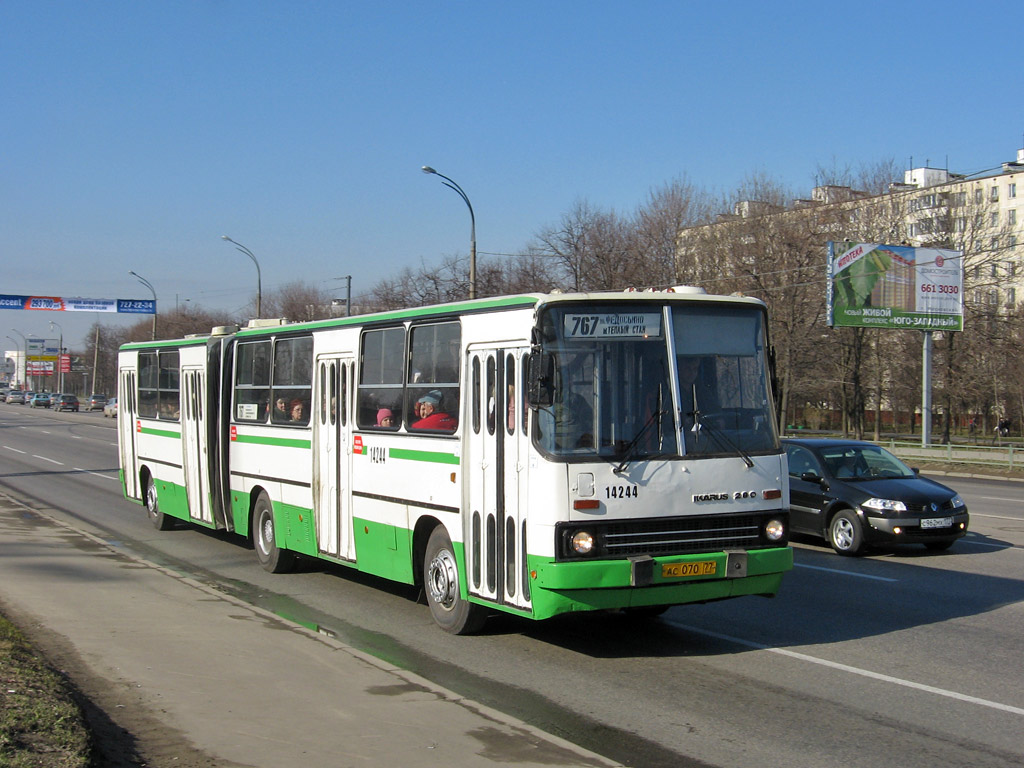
(1006, 455)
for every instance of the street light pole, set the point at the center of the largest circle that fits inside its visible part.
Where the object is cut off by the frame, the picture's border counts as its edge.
(60, 357)
(152, 290)
(24, 360)
(17, 354)
(259, 278)
(472, 226)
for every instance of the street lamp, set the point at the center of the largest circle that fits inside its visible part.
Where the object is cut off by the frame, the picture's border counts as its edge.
(259, 279)
(17, 354)
(472, 227)
(24, 370)
(60, 357)
(152, 290)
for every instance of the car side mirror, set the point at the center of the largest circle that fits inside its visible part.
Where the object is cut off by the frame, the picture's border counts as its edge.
(812, 477)
(916, 470)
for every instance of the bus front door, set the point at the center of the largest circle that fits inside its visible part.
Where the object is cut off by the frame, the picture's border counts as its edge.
(195, 456)
(332, 427)
(127, 415)
(495, 472)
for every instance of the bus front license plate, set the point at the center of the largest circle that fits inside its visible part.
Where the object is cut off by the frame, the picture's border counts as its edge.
(702, 568)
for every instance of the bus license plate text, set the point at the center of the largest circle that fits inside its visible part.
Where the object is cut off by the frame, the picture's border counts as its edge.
(702, 568)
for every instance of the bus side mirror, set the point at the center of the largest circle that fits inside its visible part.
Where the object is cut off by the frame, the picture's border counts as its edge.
(541, 380)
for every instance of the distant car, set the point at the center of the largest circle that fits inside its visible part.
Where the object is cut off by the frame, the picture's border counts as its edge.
(66, 403)
(96, 402)
(54, 396)
(16, 396)
(855, 494)
(28, 396)
(40, 400)
(110, 409)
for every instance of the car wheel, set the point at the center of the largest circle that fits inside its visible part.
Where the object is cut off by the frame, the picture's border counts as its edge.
(441, 584)
(159, 520)
(271, 557)
(845, 534)
(939, 546)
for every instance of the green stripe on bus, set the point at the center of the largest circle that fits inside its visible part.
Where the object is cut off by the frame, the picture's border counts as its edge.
(161, 433)
(432, 456)
(284, 442)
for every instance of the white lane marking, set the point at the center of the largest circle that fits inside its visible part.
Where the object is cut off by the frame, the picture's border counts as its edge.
(13, 449)
(52, 461)
(843, 573)
(997, 517)
(90, 472)
(853, 670)
(997, 498)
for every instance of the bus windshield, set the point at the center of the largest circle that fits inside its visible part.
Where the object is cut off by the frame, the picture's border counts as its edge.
(631, 382)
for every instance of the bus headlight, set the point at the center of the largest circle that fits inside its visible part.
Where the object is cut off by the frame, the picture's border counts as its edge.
(774, 529)
(582, 543)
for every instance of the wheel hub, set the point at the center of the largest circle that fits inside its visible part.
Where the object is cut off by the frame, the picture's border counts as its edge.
(443, 580)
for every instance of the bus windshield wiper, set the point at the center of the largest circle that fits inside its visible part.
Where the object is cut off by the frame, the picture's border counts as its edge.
(718, 437)
(631, 447)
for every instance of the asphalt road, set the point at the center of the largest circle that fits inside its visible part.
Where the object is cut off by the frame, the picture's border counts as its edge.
(904, 657)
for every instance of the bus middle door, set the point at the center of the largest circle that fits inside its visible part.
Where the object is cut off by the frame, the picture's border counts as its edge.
(332, 487)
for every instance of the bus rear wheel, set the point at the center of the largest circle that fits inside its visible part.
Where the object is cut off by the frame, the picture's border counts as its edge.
(271, 557)
(159, 520)
(441, 584)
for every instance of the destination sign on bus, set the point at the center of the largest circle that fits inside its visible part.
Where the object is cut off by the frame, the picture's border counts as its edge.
(612, 325)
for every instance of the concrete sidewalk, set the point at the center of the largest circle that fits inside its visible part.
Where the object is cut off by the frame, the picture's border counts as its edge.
(242, 685)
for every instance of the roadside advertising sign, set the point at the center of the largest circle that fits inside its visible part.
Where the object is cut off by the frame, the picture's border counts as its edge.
(894, 286)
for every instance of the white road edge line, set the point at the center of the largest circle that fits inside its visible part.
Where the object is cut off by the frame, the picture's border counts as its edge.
(997, 517)
(90, 472)
(843, 573)
(853, 670)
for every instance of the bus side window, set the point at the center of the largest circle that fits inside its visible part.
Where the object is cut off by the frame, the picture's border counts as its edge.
(252, 381)
(433, 393)
(380, 377)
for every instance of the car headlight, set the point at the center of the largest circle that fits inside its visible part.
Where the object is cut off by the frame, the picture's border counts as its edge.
(582, 543)
(885, 505)
(957, 501)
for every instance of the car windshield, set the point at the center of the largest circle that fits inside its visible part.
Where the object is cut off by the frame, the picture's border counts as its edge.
(633, 380)
(868, 462)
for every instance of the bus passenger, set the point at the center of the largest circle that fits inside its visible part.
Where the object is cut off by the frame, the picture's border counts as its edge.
(385, 418)
(428, 408)
(297, 412)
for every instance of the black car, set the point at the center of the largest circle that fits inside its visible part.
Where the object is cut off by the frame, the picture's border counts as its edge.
(855, 494)
(66, 403)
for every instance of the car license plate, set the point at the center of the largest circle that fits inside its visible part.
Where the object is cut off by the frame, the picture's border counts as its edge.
(937, 522)
(702, 568)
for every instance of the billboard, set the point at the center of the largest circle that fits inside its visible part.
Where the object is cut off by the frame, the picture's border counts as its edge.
(895, 286)
(60, 304)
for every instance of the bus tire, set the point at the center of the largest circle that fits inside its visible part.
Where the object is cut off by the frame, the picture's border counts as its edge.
(159, 520)
(271, 557)
(441, 585)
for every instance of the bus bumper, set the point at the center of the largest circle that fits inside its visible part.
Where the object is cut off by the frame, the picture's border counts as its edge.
(563, 587)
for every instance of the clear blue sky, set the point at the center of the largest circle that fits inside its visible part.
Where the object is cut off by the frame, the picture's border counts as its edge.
(134, 134)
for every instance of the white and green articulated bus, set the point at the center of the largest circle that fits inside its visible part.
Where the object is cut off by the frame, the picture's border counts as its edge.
(532, 454)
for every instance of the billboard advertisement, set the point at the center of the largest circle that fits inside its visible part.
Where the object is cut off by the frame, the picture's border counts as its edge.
(871, 285)
(60, 304)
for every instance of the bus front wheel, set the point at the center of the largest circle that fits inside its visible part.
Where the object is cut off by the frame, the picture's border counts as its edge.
(271, 556)
(159, 520)
(441, 584)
